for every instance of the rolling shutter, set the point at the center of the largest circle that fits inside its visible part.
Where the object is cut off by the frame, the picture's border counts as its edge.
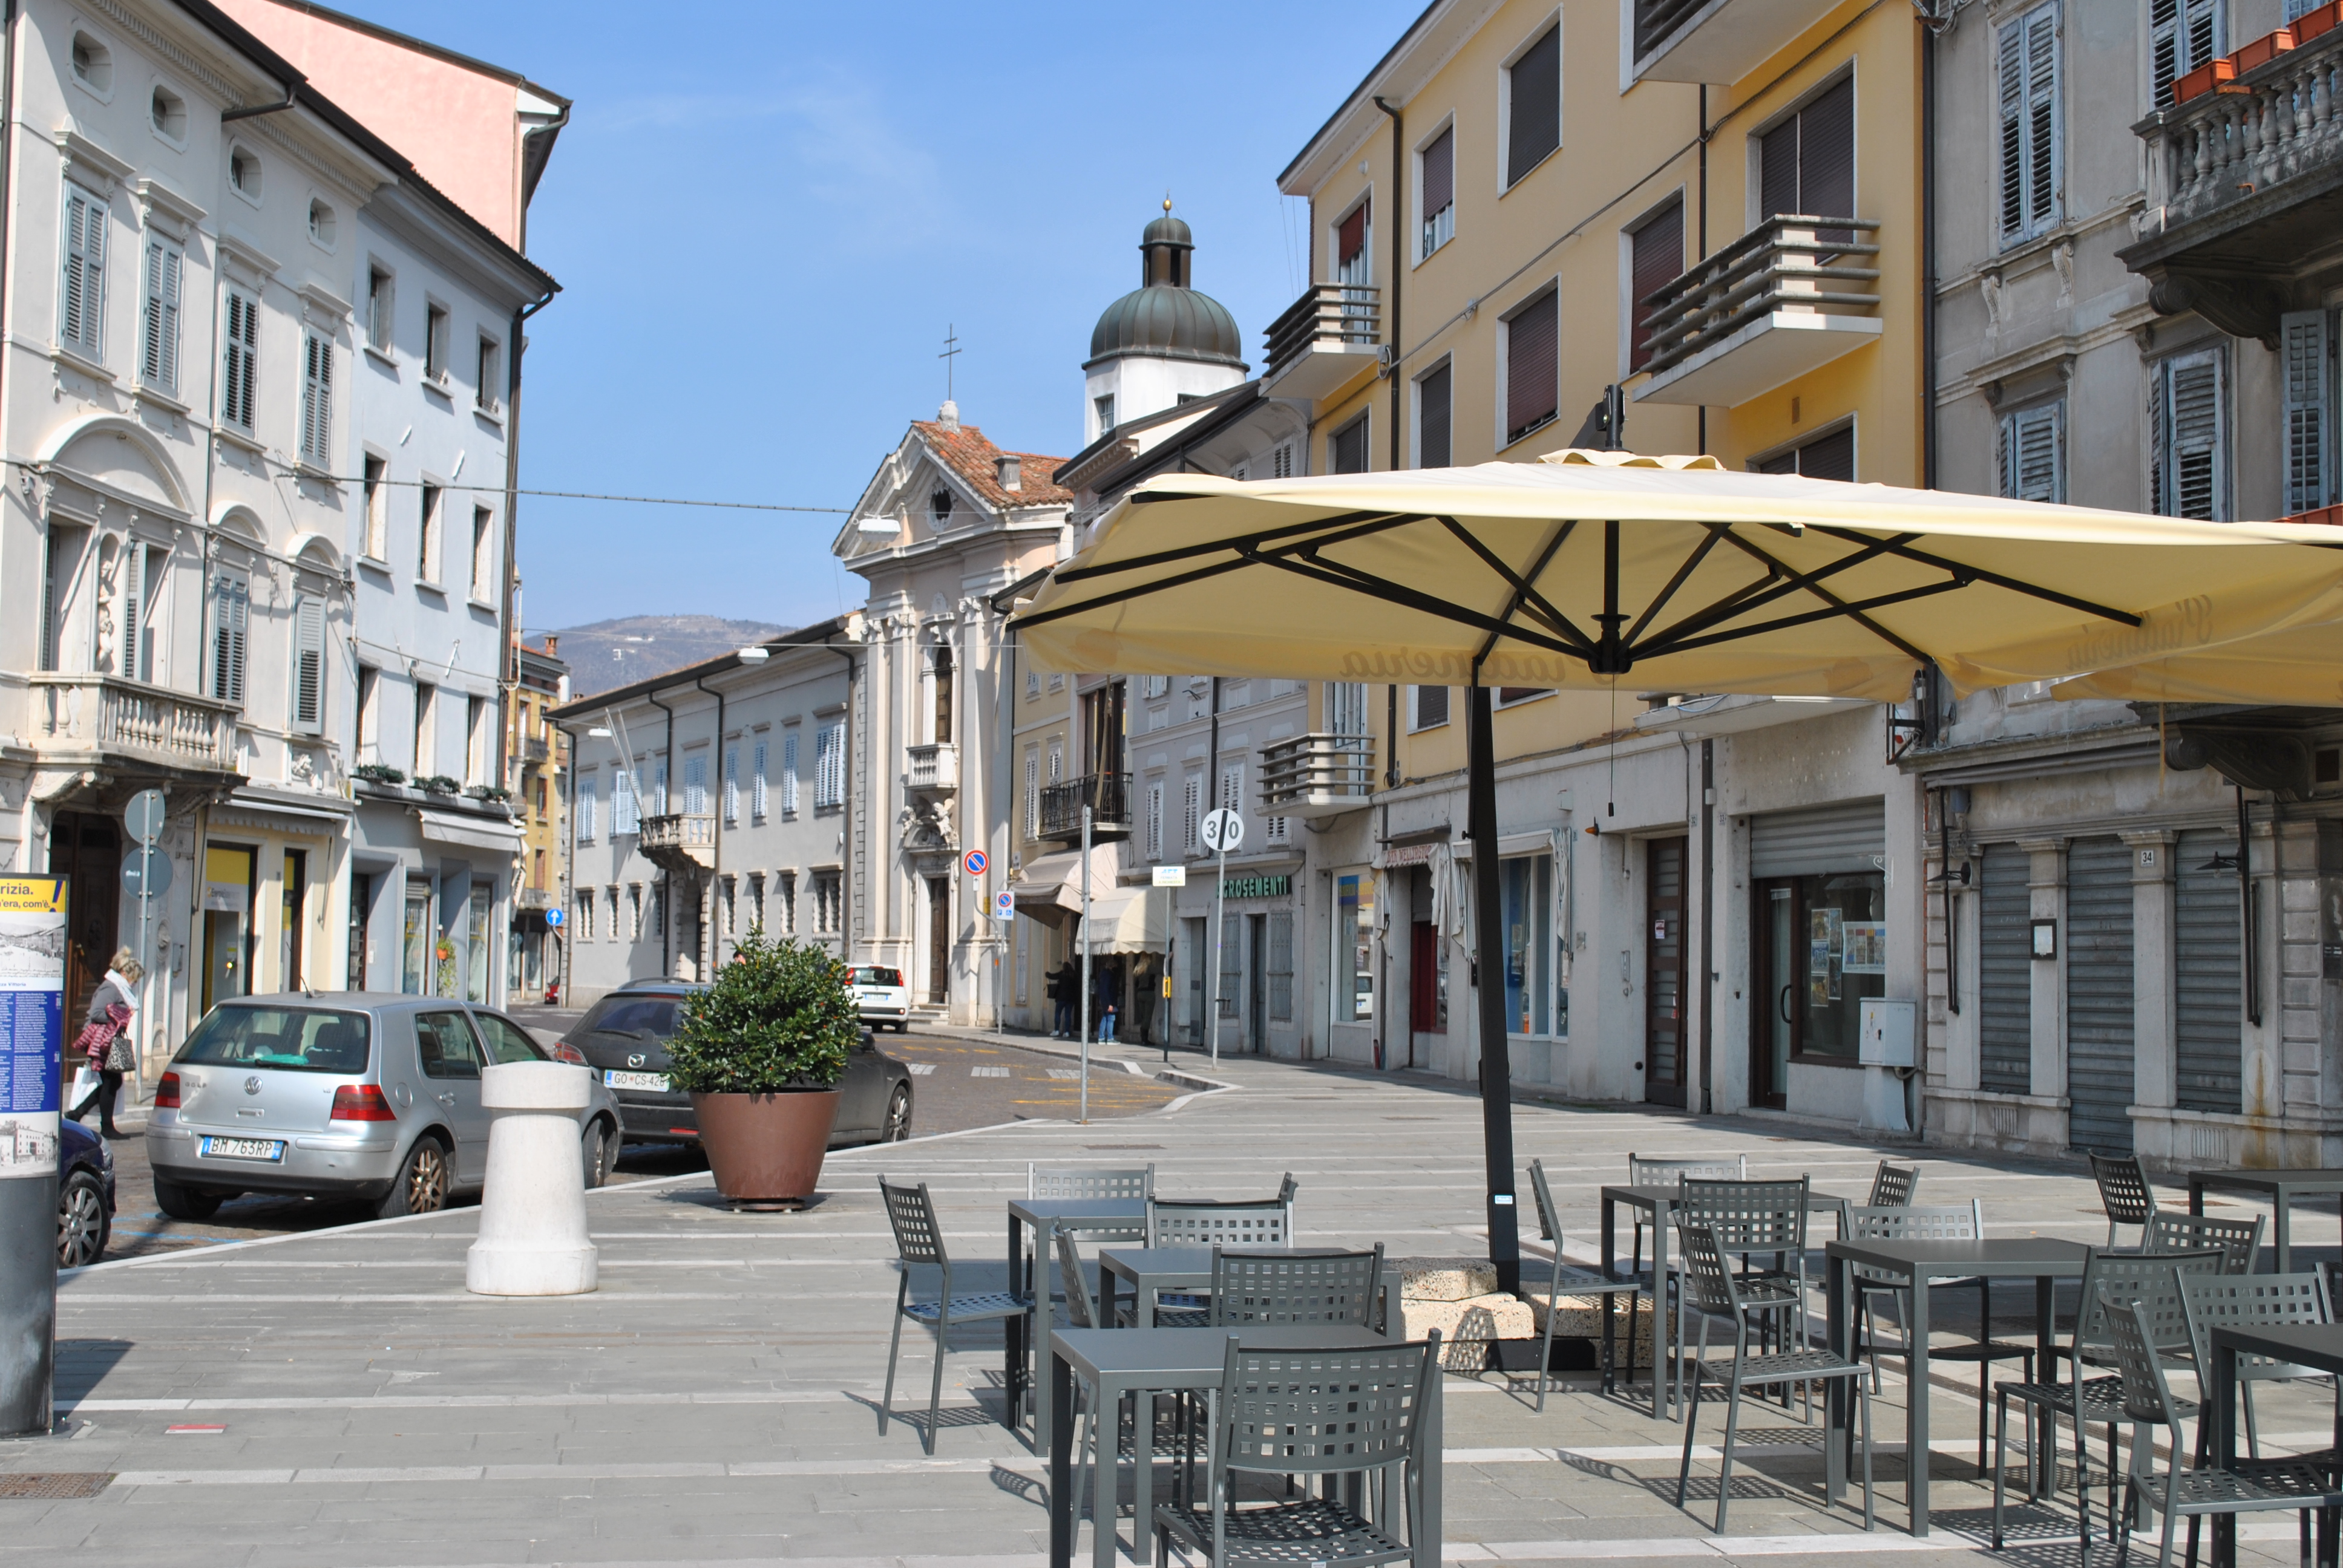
(1658, 259)
(1533, 129)
(2005, 972)
(2208, 959)
(1433, 445)
(1440, 174)
(1819, 840)
(2099, 1079)
(1533, 375)
(2302, 338)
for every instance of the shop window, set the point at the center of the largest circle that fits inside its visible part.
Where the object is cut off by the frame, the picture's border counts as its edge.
(1527, 889)
(1354, 948)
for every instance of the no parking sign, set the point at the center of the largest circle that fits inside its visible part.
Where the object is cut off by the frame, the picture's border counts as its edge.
(975, 862)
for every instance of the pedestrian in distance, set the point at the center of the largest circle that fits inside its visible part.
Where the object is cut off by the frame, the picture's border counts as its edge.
(1106, 1024)
(1065, 983)
(108, 1041)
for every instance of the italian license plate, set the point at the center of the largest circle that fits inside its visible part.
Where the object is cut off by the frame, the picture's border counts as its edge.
(654, 1080)
(241, 1149)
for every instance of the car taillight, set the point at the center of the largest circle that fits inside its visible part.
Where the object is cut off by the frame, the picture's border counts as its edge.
(361, 1102)
(562, 1051)
(166, 1092)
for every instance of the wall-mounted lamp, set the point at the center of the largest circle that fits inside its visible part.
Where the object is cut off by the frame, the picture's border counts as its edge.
(2046, 938)
(754, 655)
(597, 733)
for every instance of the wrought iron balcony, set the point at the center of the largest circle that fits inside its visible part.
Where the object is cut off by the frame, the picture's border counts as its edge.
(1317, 774)
(935, 767)
(683, 842)
(2243, 178)
(535, 751)
(536, 897)
(1791, 295)
(1108, 795)
(98, 718)
(1718, 41)
(1325, 338)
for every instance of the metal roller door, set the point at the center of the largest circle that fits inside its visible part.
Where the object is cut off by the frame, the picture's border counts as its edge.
(2208, 958)
(2099, 995)
(2005, 972)
(1819, 840)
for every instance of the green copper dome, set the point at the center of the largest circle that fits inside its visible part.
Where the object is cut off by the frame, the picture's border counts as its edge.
(1167, 319)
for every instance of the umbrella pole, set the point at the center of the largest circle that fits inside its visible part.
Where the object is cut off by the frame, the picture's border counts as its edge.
(1489, 983)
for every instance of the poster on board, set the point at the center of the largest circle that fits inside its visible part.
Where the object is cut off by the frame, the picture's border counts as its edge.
(31, 1021)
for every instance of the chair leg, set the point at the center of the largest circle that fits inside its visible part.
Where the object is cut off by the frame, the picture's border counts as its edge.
(894, 1346)
(1691, 1422)
(936, 1387)
(2122, 1529)
(2252, 1428)
(2001, 1462)
(1724, 1467)
(1863, 1399)
(2082, 1473)
(2171, 1495)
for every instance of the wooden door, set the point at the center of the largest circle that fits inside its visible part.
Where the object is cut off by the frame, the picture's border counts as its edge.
(86, 849)
(938, 939)
(1663, 909)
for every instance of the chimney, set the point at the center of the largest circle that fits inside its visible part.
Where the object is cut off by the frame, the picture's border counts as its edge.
(1009, 468)
(949, 415)
(552, 646)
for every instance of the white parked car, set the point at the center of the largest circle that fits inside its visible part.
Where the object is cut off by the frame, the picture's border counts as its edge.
(882, 996)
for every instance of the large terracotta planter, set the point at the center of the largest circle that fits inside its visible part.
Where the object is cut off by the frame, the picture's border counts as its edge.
(766, 1149)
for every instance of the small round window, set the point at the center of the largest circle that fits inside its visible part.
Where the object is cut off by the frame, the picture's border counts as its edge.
(243, 173)
(93, 63)
(321, 223)
(940, 504)
(169, 113)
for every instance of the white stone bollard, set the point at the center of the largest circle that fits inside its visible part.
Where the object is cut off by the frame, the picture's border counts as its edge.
(533, 1239)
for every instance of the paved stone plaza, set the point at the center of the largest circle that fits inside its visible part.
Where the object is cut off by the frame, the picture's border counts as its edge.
(714, 1402)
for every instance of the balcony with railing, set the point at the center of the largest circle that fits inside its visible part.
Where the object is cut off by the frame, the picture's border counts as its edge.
(1325, 339)
(1317, 774)
(1718, 41)
(934, 769)
(101, 718)
(1789, 296)
(535, 752)
(1108, 795)
(536, 897)
(2245, 178)
(683, 842)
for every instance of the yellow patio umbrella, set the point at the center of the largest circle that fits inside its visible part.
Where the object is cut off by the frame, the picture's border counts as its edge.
(2300, 666)
(1590, 570)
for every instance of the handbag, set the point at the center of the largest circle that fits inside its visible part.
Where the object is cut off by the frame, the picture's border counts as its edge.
(99, 1037)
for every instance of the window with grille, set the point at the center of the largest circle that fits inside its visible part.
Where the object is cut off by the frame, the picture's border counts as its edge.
(1280, 969)
(1533, 114)
(635, 911)
(158, 355)
(1155, 821)
(81, 311)
(732, 785)
(1533, 371)
(1436, 176)
(1433, 447)
(830, 765)
(2034, 453)
(231, 624)
(695, 785)
(1654, 260)
(790, 772)
(2183, 34)
(240, 360)
(308, 671)
(2026, 83)
(1428, 707)
(2188, 467)
(2307, 350)
(316, 401)
(785, 895)
(1281, 461)
(756, 782)
(757, 899)
(1033, 794)
(586, 790)
(1191, 813)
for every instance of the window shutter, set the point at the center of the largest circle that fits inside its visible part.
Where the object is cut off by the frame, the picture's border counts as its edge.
(790, 772)
(1233, 788)
(150, 360)
(1349, 239)
(585, 827)
(1191, 813)
(1533, 384)
(2042, 118)
(1155, 821)
(2033, 459)
(1032, 795)
(231, 602)
(2184, 34)
(2012, 86)
(133, 599)
(1534, 130)
(1440, 174)
(2302, 335)
(83, 310)
(1431, 707)
(241, 358)
(309, 663)
(757, 798)
(317, 400)
(1777, 169)
(695, 786)
(2187, 466)
(1658, 257)
(1433, 444)
(731, 784)
(1826, 153)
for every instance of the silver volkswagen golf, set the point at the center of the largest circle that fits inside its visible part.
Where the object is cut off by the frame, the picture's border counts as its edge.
(354, 1095)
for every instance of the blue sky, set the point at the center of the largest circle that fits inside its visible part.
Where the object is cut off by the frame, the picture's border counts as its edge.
(764, 217)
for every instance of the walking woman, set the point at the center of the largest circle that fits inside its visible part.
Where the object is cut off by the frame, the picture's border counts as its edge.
(110, 1036)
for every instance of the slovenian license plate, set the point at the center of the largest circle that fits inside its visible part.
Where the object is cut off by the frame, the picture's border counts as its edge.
(241, 1148)
(656, 1081)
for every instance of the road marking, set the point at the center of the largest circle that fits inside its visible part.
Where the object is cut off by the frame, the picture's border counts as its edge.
(988, 1072)
(355, 1298)
(921, 1069)
(1064, 1072)
(491, 1400)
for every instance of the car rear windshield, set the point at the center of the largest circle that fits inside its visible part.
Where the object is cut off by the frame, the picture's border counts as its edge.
(286, 1039)
(652, 1015)
(873, 975)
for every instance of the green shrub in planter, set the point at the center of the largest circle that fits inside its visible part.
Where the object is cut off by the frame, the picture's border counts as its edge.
(778, 1017)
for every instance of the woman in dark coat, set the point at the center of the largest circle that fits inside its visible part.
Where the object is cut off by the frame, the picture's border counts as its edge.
(115, 1002)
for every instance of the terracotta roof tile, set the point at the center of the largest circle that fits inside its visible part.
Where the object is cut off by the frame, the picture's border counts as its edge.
(971, 456)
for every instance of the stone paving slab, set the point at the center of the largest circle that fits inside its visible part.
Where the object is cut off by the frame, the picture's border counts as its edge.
(717, 1401)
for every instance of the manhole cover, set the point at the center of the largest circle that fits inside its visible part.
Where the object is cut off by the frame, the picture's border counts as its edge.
(68, 1484)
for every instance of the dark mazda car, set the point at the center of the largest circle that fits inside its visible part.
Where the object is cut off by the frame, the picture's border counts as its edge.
(624, 1037)
(85, 1195)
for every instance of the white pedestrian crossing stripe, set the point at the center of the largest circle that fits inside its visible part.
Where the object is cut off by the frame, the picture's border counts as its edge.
(1065, 1072)
(921, 1069)
(988, 1072)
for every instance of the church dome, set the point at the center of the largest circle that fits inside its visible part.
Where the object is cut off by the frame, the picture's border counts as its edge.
(1167, 319)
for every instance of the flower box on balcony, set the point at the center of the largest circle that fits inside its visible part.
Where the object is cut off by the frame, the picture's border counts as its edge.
(2263, 50)
(2311, 23)
(2204, 80)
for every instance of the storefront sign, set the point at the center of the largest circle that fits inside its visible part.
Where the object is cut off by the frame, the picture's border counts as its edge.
(1259, 887)
(31, 1021)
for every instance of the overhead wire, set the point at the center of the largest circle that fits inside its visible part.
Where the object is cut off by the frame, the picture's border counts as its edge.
(595, 496)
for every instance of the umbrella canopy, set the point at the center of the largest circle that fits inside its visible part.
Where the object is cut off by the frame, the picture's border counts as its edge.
(2302, 666)
(1675, 573)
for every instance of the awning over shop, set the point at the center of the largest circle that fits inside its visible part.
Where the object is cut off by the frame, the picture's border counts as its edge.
(1127, 920)
(468, 833)
(1123, 919)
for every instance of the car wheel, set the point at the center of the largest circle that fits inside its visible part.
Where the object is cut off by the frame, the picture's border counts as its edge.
(598, 1151)
(899, 1116)
(185, 1202)
(83, 1223)
(422, 1184)
(903, 1026)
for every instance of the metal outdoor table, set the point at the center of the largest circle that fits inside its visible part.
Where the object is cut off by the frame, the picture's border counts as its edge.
(2281, 1187)
(1098, 1220)
(2319, 1345)
(2042, 1259)
(1147, 1361)
(1147, 1271)
(1656, 1201)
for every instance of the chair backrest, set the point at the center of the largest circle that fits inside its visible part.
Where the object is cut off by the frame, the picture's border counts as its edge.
(2233, 1301)
(1909, 1222)
(1712, 1291)
(1316, 1412)
(2240, 1240)
(1078, 1183)
(1080, 1312)
(1204, 1222)
(1747, 1216)
(1549, 1227)
(2124, 1190)
(917, 1238)
(2146, 1397)
(1893, 1185)
(2113, 1280)
(1643, 1172)
(1324, 1287)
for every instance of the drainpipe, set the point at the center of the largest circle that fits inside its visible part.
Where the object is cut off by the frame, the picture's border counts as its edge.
(715, 850)
(1707, 924)
(1396, 206)
(845, 808)
(506, 621)
(1699, 253)
(1929, 25)
(1011, 805)
(667, 877)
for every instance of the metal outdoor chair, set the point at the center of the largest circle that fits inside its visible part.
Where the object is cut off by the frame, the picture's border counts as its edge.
(2240, 1240)
(1936, 1222)
(1077, 1184)
(2250, 1486)
(1329, 1286)
(2110, 1281)
(1212, 1223)
(1558, 1278)
(2230, 1300)
(1758, 1217)
(2124, 1192)
(1352, 1421)
(1714, 1292)
(918, 1240)
(1082, 1312)
(1891, 1186)
(1643, 1172)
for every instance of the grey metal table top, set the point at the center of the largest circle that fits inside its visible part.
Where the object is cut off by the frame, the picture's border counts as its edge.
(2270, 1181)
(2319, 1345)
(1039, 1211)
(1657, 1196)
(2030, 1256)
(1128, 1358)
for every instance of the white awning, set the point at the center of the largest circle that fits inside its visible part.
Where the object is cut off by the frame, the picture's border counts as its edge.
(1050, 886)
(470, 832)
(1127, 920)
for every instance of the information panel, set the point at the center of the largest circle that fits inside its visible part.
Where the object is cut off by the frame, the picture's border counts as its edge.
(31, 1021)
